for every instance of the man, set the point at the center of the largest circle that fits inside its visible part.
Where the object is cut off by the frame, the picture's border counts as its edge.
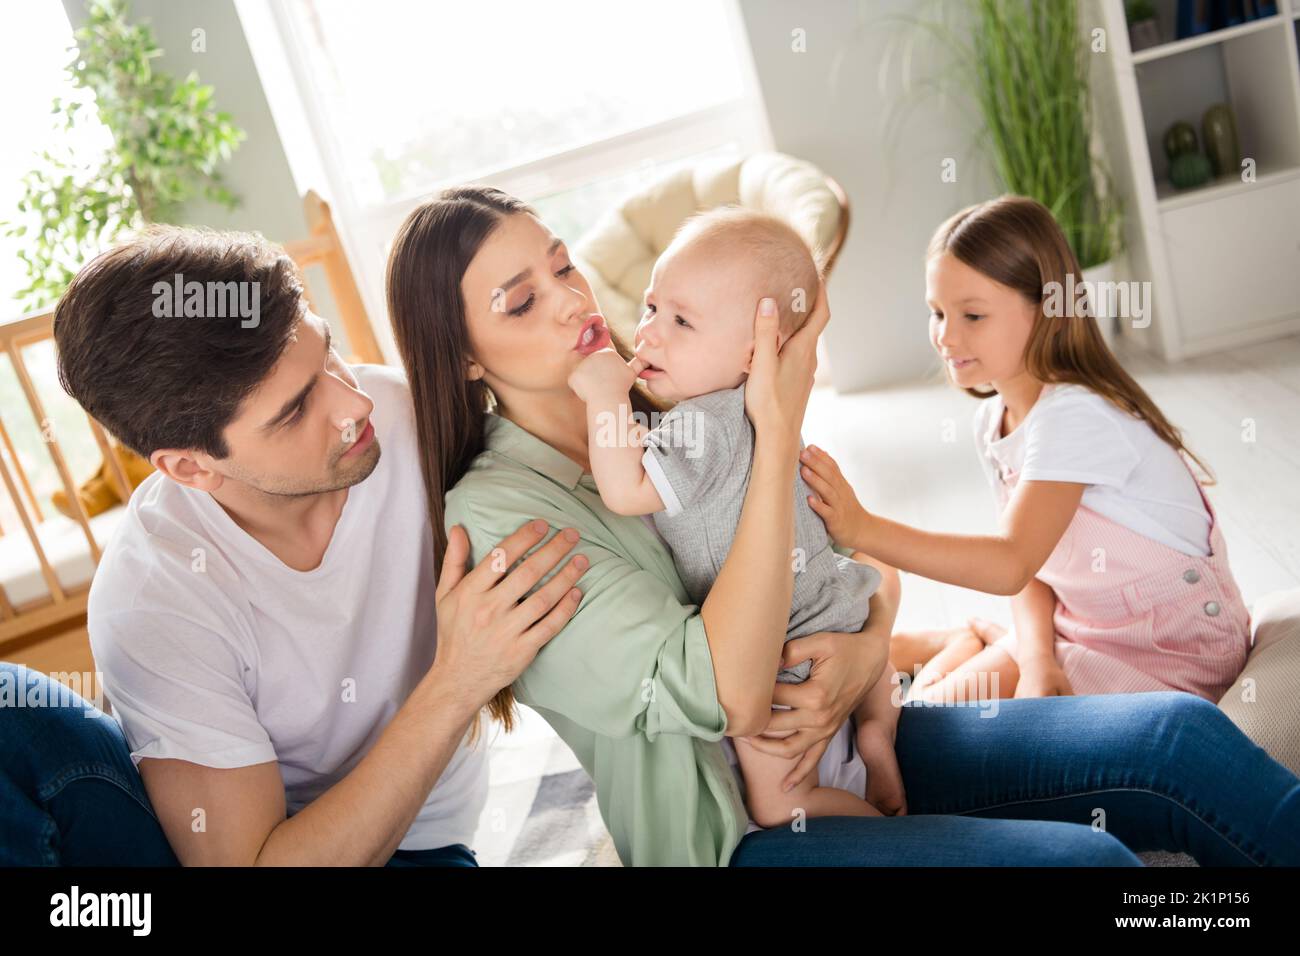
(292, 686)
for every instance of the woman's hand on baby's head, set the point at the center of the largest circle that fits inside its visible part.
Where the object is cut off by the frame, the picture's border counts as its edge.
(604, 372)
(834, 499)
(820, 315)
(781, 373)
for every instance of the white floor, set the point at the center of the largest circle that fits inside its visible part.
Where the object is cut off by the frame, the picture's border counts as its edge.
(909, 454)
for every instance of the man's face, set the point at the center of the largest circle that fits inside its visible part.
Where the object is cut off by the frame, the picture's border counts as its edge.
(306, 429)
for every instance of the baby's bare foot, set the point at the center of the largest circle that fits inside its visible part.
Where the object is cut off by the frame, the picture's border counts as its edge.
(913, 648)
(884, 779)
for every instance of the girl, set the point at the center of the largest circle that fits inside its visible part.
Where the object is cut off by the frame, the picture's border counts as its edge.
(1111, 552)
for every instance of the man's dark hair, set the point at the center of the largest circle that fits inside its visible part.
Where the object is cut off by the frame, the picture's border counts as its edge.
(173, 382)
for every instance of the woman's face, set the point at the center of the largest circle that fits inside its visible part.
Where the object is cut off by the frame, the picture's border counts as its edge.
(978, 326)
(527, 308)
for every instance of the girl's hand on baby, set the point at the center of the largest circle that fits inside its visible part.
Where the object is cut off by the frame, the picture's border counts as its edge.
(834, 500)
(604, 372)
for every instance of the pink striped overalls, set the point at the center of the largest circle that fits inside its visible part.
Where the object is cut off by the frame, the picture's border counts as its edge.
(1133, 614)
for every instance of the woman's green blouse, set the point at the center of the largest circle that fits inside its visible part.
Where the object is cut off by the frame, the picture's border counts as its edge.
(628, 683)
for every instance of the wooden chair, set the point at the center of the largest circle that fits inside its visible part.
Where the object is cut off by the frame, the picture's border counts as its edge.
(64, 603)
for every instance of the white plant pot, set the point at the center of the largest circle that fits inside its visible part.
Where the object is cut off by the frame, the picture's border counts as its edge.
(1106, 272)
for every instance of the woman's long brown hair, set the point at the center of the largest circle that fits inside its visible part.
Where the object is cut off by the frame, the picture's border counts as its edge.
(430, 254)
(1016, 241)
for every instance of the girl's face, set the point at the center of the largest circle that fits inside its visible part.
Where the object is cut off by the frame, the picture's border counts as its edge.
(978, 326)
(528, 311)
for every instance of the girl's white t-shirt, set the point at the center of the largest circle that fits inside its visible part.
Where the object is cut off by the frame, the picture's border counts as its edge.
(1134, 477)
(214, 651)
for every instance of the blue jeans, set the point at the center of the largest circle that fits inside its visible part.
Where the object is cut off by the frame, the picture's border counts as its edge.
(1063, 781)
(70, 795)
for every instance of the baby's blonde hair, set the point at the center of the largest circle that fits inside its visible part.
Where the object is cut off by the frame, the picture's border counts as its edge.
(783, 265)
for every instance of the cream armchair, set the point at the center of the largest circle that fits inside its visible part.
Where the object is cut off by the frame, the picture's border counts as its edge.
(617, 254)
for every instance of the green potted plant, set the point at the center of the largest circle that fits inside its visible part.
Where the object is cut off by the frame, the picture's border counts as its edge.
(1143, 25)
(1025, 65)
(167, 140)
(165, 144)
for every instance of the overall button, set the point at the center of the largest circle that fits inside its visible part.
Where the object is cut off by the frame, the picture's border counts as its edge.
(1212, 608)
(1191, 575)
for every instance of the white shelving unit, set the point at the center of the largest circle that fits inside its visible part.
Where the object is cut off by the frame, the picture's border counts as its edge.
(1224, 258)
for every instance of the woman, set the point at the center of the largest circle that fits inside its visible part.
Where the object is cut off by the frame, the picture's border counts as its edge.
(488, 310)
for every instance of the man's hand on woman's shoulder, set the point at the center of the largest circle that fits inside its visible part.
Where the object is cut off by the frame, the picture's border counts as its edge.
(488, 632)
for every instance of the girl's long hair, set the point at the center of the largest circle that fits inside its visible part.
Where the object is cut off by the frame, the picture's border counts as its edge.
(1015, 241)
(430, 254)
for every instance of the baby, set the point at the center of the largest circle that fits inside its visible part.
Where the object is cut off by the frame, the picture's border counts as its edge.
(690, 472)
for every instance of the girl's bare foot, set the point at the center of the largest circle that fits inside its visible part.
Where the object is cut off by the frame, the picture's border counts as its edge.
(986, 631)
(884, 780)
(908, 651)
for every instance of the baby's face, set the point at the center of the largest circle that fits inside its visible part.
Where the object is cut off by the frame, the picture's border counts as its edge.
(697, 328)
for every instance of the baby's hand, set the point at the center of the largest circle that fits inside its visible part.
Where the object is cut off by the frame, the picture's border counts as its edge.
(603, 372)
(835, 501)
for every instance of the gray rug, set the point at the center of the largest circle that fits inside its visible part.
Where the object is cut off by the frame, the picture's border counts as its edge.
(542, 811)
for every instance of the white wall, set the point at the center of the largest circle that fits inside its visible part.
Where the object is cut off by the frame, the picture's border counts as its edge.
(826, 105)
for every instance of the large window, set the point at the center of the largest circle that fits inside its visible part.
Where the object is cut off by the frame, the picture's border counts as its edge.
(568, 105)
(35, 47)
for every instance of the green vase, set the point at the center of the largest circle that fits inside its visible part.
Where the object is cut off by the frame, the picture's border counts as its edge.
(1219, 130)
(1189, 171)
(1179, 139)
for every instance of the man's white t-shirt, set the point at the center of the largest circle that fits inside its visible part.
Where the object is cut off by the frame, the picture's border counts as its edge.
(1134, 477)
(214, 651)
